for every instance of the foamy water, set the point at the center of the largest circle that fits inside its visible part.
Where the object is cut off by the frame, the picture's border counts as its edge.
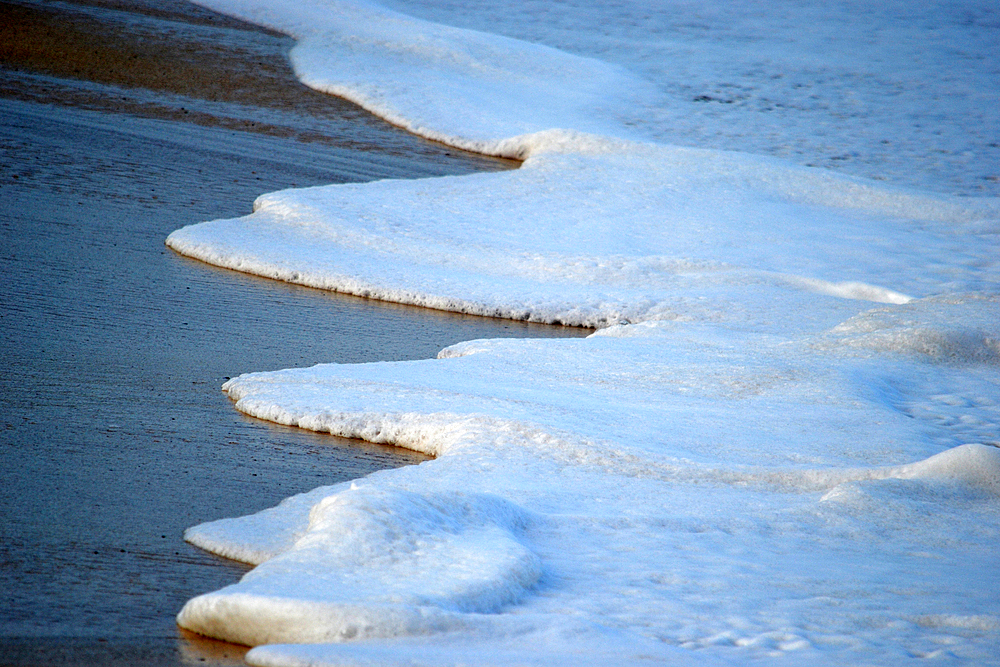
(782, 441)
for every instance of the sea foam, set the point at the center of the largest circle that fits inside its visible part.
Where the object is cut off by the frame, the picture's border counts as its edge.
(780, 443)
(590, 231)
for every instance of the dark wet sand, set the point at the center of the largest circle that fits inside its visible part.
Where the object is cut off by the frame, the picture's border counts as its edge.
(120, 122)
(169, 59)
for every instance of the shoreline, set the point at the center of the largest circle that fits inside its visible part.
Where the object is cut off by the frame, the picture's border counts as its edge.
(696, 439)
(113, 56)
(217, 455)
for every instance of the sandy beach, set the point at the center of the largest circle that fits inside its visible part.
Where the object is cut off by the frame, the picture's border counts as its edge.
(124, 121)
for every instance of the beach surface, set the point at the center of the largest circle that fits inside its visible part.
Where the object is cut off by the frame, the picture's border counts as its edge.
(122, 122)
(777, 222)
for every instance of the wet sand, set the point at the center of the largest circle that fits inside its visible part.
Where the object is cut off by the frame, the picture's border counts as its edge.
(173, 60)
(120, 123)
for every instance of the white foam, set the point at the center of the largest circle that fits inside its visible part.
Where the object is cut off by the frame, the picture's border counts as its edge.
(467, 88)
(590, 231)
(897, 91)
(658, 466)
(778, 447)
(975, 465)
(957, 328)
(375, 563)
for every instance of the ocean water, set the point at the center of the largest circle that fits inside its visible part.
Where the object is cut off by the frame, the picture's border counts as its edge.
(782, 442)
(899, 92)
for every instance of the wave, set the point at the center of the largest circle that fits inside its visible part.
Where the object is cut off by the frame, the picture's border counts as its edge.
(791, 392)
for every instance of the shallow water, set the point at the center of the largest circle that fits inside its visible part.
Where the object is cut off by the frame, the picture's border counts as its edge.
(115, 436)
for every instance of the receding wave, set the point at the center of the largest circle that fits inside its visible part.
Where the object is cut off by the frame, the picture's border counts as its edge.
(781, 440)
